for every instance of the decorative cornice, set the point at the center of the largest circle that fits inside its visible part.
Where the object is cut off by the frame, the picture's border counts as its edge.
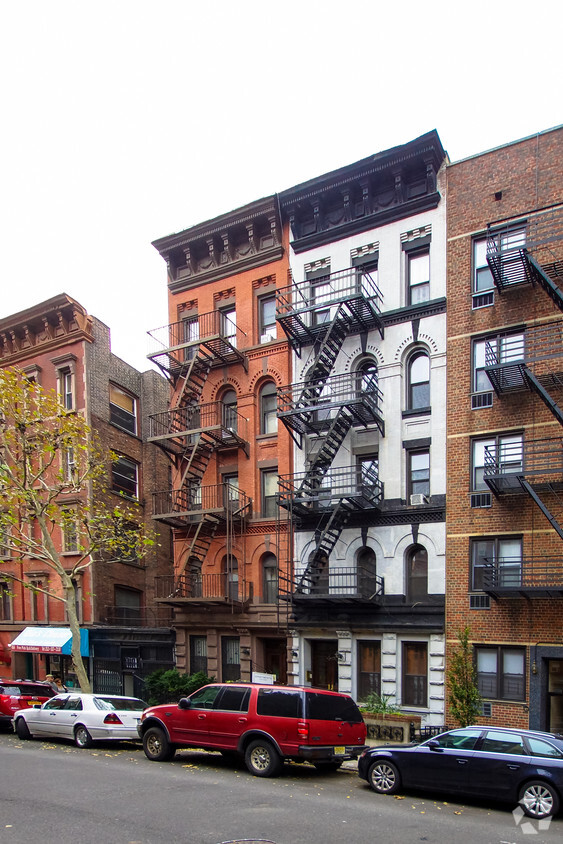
(410, 312)
(239, 265)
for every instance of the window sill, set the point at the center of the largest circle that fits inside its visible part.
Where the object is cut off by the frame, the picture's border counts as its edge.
(418, 411)
(262, 437)
(124, 430)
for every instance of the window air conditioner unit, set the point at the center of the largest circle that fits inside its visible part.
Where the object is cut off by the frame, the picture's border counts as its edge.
(418, 498)
(267, 337)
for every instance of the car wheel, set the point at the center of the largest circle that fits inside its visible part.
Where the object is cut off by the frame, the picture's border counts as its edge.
(539, 799)
(22, 729)
(156, 745)
(262, 759)
(327, 767)
(384, 777)
(82, 737)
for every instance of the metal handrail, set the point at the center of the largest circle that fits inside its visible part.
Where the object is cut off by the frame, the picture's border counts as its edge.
(193, 418)
(360, 482)
(335, 390)
(193, 499)
(351, 283)
(176, 335)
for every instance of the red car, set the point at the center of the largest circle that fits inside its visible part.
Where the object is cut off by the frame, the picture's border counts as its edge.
(19, 694)
(263, 724)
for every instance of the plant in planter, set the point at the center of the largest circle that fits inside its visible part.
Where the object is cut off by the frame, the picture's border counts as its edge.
(376, 704)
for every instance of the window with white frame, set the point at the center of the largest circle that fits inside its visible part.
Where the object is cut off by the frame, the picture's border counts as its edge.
(483, 282)
(125, 477)
(122, 409)
(418, 276)
(501, 454)
(268, 409)
(267, 318)
(418, 375)
(66, 388)
(268, 489)
(269, 579)
(69, 530)
(229, 325)
(492, 351)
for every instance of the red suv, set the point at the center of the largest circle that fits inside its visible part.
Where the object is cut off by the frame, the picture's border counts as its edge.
(264, 724)
(18, 694)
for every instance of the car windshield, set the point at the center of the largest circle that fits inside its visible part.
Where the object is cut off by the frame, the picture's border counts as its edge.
(124, 704)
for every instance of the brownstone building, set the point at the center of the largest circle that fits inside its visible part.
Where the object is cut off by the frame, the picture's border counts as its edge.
(126, 636)
(504, 555)
(225, 359)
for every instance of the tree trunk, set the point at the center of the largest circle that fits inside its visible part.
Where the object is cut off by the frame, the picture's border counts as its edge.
(77, 661)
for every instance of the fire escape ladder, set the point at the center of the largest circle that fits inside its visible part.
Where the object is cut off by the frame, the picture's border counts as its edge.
(200, 540)
(325, 539)
(196, 458)
(535, 497)
(332, 441)
(327, 347)
(540, 390)
(193, 378)
(540, 276)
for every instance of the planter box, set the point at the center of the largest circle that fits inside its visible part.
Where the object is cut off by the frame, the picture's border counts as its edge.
(390, 729)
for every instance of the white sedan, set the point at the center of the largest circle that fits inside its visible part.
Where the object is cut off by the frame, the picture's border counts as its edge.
(82, 717)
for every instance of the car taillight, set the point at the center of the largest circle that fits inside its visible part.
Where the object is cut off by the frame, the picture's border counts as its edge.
(112, 719)
(303, 731)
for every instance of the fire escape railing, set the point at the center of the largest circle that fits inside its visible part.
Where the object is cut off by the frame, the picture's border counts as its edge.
(532, 360)
(180, 507)
(529, 251)
(201, 587)
(304, 308)
(221, 423)
(529, 576)
(213, 334)
(309, 406)
(344, 583)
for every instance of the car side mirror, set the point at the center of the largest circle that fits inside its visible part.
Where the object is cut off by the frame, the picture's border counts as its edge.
(184, 703)
(434, 745)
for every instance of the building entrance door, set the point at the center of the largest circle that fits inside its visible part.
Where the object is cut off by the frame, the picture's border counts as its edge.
(555, 695)
(275, 659)
(324, 664)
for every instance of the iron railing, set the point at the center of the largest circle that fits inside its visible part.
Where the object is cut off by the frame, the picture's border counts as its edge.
(538, 461)
(222, 421)
(358, 484)
(197, 586)
(192, 501)
(340, 582)
(525, 576)
(138, 616)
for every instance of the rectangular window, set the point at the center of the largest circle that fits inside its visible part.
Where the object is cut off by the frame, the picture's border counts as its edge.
(230, 658)
(418, 275)
(418, 481)
(369, 669)
(279, 703)
(495, 455)
(415, 673)
(66, 388)
(229, 325)
(267, 318)
(124, 477)
(5, 601)
(127, 605)
(496, 561)
(70, 531)
(122, 409)
(483, 283)
(190, 335)
(498, 350)
(5, 547)
(500, 672)
(38, 601)
(198, 654)
(68, 465)
(269, 488)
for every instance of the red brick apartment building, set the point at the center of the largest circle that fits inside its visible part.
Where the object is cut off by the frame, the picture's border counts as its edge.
(59, 345)
(225, 359)
(504, 522)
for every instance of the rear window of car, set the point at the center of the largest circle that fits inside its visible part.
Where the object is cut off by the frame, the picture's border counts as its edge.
(321, 707)
(128, 704)
(539, 747)
(282, 703)
(233, 699)
(33, 691)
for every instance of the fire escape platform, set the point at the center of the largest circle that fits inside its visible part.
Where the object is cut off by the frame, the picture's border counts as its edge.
(533, 577)
(190, 504)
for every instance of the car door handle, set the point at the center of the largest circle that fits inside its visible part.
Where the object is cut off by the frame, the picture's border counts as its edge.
(201, 717)
(513, 767)
(73, 714)
(242, 720)
(462, 761)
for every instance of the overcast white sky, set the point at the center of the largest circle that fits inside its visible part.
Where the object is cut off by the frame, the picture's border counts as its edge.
(127, 120)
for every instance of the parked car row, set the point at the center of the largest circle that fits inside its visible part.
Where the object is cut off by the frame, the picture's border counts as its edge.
(268, 725)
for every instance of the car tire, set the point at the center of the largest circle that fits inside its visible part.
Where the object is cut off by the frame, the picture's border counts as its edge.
(384, 777)
(262, 759)
(156, 745)
(82, 737)
(539, 799)
(327, 767)
(22, 729)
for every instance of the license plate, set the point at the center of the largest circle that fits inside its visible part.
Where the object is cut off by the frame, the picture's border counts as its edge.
(339, 750)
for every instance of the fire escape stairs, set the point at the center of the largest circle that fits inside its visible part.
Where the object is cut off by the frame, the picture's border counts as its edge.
(527, 486)
(193, 378)
(537, 387)
(325, 540)
(539, 275)
(332, 441)
(196, 458)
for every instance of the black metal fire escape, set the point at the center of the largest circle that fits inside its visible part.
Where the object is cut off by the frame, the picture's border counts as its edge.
(189, 431)
(529, 252)
(326, 407)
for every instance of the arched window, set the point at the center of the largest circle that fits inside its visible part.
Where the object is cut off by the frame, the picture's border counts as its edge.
(269, 579)
(367, 376)
(366, 564)
(229, 402)
(418, 381)
(268, 409)
(195, 577)
(417, 573)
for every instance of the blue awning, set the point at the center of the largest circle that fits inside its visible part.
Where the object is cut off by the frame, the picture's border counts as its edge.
(49, 640)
